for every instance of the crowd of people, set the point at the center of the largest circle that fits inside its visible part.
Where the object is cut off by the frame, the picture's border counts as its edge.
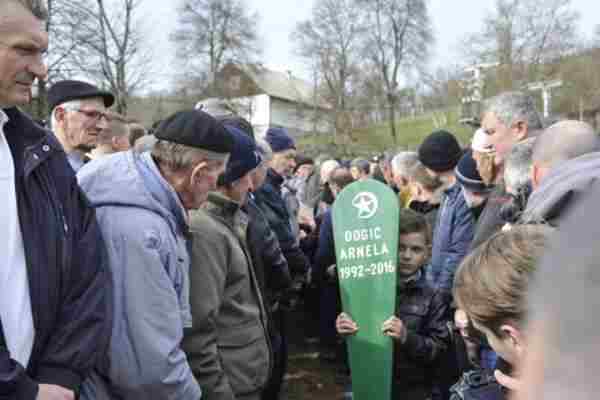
(166, 264)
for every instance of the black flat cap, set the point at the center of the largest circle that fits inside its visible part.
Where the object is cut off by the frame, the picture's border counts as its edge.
(195, 128)
(64, 91)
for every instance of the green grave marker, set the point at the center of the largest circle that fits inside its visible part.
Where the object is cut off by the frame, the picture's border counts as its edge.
(365, 224)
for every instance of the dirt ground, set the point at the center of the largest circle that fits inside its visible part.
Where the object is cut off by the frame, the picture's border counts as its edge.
(308, 376)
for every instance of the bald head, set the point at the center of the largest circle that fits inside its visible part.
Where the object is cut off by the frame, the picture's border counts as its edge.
(565, 141)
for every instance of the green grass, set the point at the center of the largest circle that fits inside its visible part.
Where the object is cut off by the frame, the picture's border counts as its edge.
(410, 131)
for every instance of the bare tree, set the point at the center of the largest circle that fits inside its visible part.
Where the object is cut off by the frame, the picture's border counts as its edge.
(399, 38)
(211, 33)
(62, 44)
(525, 37)
(111, 47)
(332, 36)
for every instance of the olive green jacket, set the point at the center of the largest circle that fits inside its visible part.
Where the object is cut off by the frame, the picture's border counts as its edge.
(228, 346)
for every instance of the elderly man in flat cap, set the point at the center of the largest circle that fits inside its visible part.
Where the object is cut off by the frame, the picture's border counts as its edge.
(142, 202)
(78, 117)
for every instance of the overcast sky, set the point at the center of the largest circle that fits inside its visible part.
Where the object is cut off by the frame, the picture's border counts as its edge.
(452, 19)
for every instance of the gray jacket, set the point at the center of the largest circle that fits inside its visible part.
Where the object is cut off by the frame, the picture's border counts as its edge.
(228, 346)
(561, 189)
(144, 227)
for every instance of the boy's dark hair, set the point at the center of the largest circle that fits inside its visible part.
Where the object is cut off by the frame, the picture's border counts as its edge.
(341, 177)
(413, 222)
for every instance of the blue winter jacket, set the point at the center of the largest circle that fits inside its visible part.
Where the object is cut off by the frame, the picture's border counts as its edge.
(452, 236)
(145, 230)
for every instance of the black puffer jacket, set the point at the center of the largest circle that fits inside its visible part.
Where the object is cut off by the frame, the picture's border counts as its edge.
(270, 201)
(69, 281)
(425, 313)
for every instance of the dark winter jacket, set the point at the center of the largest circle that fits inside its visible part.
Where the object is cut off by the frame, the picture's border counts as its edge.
(452, 236)
(325, 255)
(269, 263)
(561, 189)
(228, 344)
(425, 313)
(491, 221)
(270, 201)
(69, 282)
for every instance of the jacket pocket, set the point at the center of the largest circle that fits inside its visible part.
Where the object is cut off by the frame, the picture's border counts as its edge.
(413, 315)
(245, 357)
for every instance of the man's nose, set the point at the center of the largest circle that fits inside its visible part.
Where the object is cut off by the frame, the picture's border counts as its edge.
(39, 69)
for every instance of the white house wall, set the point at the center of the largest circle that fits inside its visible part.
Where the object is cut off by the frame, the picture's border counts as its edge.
(297, 118)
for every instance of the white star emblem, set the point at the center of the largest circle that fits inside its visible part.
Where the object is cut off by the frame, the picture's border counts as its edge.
(366, 203)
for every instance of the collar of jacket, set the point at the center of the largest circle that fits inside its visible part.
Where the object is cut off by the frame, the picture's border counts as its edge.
(35, 143)
(274, 178)
(161, 190)
(221, 204)
(416, 281)
(229, 212)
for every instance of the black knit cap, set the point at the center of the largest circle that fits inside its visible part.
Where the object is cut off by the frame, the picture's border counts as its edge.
(65, 91)
(468, 176)
(198, 129)
(440, 151)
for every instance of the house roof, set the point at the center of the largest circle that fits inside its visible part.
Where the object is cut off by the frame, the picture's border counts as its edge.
(283, 85)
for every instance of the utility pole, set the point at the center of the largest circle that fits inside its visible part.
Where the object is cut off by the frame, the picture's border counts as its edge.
(474, 82)
(546, 89)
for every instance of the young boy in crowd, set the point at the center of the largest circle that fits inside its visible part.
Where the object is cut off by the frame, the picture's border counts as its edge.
(418, 327)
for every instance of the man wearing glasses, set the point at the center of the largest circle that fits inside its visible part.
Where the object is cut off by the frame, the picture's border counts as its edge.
(78, 117)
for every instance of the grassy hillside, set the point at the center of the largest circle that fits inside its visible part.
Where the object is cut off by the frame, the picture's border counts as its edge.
(411, 132)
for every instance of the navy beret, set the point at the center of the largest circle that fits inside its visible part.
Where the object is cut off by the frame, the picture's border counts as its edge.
(243, 159)
(198, 129)
(468, 176)
(65, 91)
(279, 140)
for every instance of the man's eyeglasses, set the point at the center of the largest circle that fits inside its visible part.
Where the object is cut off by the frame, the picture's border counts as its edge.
(91, 114)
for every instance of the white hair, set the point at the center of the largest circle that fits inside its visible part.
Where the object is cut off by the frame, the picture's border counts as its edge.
(404, 162)
(510, 107)
(179, 157)
(327, 168)
(69, 105)
(517, 166)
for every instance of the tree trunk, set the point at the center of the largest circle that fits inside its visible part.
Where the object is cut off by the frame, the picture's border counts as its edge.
(392, 116)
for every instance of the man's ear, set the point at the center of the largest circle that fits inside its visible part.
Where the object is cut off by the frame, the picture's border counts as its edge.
(60, 114)
(520, 129)
(198, 170)
(514, 338)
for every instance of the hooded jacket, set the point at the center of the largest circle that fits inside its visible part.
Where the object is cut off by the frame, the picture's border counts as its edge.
(452, 236)
(69, 282)
(144, 226)
(228, 346)
(563, 187)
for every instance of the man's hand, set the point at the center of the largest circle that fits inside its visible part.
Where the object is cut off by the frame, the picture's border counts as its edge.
(395, 329)
(345, 326)
(54, 392)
